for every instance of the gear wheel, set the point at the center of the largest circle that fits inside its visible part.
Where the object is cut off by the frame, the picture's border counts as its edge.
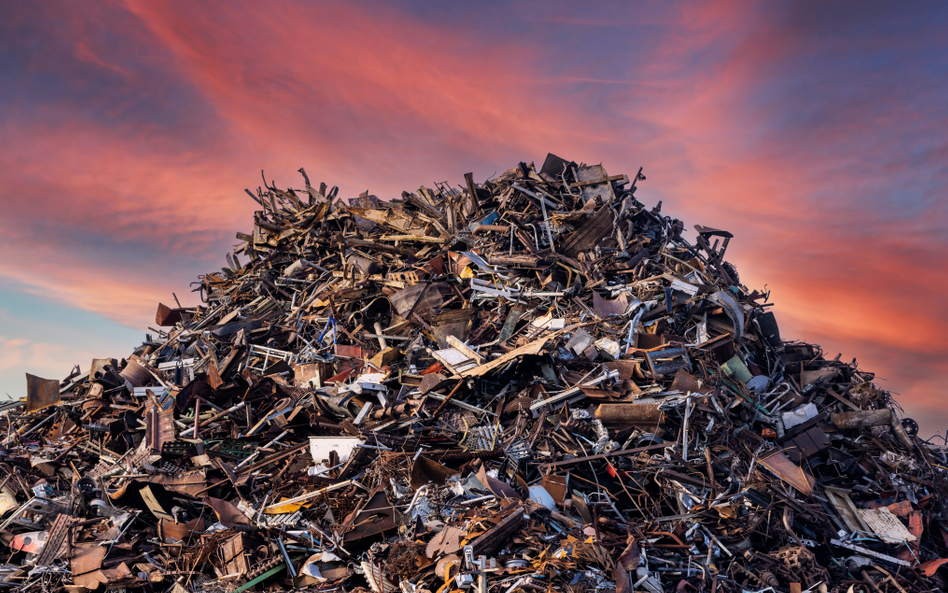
(910, 426)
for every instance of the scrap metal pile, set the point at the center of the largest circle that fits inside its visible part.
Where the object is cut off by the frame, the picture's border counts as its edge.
(536, 383)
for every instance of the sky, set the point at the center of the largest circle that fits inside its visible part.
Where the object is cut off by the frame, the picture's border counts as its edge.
(814, 131)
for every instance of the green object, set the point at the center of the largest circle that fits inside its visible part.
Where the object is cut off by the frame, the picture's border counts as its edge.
(266, 575)
(736, 368)
(260, 578)
(241, 448)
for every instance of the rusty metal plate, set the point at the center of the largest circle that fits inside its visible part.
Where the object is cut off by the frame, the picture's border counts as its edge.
(40, 393)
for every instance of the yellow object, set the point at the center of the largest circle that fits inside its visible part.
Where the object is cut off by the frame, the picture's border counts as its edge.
(281, 509)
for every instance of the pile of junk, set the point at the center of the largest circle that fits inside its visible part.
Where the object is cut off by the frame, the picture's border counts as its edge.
(530, 384)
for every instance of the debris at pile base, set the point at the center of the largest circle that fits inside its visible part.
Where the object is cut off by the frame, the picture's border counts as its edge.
(531, 384)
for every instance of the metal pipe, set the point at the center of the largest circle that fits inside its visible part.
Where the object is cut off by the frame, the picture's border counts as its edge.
(286, 556)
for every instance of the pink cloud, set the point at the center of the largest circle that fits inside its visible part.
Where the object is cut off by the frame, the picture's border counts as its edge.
(373, 97)
(44, 359)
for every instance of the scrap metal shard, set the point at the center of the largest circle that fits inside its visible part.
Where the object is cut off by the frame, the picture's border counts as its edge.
(41, 393)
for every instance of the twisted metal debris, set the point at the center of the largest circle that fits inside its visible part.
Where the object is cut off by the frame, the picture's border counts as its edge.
(535, 383)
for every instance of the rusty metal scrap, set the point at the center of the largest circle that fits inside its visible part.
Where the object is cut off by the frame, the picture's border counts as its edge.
(534, 383)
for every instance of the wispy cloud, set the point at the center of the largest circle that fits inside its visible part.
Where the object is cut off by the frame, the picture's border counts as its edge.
(45, 359)
(811, 131)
